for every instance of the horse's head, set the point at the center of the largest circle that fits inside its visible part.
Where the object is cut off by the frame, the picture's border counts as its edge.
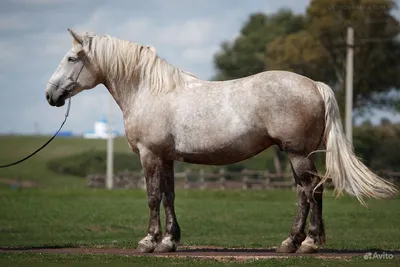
(75, 73)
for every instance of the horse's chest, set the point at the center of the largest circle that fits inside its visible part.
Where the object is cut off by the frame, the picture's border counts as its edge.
(144, 132)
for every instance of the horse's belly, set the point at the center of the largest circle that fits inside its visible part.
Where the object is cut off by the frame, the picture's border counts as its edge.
(222, 152)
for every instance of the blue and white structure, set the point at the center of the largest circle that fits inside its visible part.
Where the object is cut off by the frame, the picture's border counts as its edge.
(100, 130)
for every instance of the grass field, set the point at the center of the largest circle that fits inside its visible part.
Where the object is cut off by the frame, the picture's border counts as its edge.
(74, 217)
(63, 212)
(43, 260)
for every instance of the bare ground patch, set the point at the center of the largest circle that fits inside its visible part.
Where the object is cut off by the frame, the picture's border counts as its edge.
(205, 252)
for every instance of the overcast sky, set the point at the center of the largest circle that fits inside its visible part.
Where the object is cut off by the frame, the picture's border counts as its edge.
(33, 40)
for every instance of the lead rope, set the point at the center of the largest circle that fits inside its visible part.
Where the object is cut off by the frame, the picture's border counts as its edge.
(45, 144)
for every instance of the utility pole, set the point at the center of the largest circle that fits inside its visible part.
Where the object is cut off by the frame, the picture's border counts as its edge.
(36, 128)
(349, 84)
(110, 147)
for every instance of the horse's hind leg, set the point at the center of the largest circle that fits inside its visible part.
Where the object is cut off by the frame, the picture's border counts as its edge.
(297, 233)
(304, 170)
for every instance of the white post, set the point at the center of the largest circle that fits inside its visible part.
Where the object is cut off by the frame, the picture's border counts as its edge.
(110, 147)
(349, 84)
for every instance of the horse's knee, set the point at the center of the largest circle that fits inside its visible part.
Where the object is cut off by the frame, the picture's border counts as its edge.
(154, 201)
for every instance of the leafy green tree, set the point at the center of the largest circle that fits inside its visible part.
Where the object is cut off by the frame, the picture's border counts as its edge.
(319, 51)
(245, 55)
(378, 146)
(301, 53)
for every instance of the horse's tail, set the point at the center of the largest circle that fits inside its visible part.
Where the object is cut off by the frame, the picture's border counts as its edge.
(347, 172)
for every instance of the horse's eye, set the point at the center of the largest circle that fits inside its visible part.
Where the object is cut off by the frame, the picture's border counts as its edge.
(71, 59)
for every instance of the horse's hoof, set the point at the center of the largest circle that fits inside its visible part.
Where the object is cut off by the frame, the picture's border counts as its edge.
(308, 246)
(306, 249)
(146, 245)
(287, 246)
(166, 245)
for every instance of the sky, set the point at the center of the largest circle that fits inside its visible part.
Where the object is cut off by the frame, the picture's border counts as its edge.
(34, 39)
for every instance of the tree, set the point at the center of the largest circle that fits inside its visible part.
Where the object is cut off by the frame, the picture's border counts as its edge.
(301, 53)
(320, 50)
(378, 146)
(246, 54)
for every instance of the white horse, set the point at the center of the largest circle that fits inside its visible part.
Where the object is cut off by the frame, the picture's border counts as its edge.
(171, 115)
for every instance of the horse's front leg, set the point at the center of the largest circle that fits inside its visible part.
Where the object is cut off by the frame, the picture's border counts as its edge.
(153, 171)
(172, 229)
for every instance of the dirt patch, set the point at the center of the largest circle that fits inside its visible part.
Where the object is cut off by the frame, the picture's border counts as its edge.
(217, 253)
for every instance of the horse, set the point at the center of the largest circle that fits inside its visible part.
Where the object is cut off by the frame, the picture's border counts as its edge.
(172, 115)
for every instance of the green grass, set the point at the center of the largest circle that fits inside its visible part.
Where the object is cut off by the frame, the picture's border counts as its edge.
(63, 212)
(84, 218)
(51, 260)
(43, 217)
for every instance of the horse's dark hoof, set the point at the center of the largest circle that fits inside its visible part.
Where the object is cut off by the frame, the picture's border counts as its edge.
(287, 246)
(146, 245)
(166, 245)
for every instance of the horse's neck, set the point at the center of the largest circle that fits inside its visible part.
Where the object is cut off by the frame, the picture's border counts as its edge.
(126, 94)
(123, 95)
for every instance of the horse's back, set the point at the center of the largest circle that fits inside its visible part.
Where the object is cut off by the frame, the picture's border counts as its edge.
(245, 116)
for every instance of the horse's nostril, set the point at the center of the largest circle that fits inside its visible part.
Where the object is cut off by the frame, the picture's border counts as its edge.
(47, 97)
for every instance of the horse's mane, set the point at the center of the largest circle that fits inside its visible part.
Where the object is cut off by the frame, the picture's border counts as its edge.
(126, 62)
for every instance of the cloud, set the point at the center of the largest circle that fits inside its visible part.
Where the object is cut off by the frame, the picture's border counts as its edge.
(187, 33)
(10, 54)
(199, 54)
(15, 22)
(174, 33)
(54, 43)
(41, 2)
(99, 19)
(135, 29)
(103, 22)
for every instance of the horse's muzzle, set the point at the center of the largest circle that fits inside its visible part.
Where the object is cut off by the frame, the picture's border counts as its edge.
(55, 96)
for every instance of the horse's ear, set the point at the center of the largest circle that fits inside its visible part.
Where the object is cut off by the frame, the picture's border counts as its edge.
(76, 37)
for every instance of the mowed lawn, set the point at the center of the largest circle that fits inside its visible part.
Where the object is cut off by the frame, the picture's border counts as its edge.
(252, 219)
(62, 212)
